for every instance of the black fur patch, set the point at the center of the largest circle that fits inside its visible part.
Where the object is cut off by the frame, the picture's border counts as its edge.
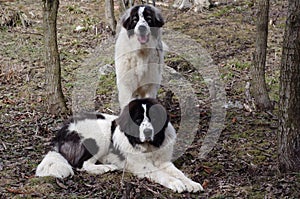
(69, 145)
(91, 145)
(153, 18)
(113, 128)
(116, 151)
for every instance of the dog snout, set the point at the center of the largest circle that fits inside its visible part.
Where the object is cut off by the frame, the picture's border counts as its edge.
(148, 133)
(142, 29)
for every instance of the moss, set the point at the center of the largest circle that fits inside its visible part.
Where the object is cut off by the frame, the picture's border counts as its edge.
(219, 196)
(256, 194)
(259, 159)
(74, 9)
(272, 82)
(221, 12)
(107, 84)
(40, 180)
(239, 135)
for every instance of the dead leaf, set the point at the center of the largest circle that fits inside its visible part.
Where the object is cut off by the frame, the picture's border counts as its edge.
(16, 191)
(60, 184)
(234, 120)
(205, 184)
(207, 169)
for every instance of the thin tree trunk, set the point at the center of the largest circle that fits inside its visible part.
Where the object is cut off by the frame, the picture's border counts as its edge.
(56, 101)
(289, 105)
(182, 4)
(198, 5)
(259, 87)
(110, 14)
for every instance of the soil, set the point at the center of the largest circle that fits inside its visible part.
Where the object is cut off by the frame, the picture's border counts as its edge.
(242, 164)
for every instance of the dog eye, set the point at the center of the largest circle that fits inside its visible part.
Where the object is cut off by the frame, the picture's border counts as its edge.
(149, 19)
(138, 121)
(134, 19)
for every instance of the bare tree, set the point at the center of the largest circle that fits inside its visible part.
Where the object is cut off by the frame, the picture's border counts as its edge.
(289, 104)
(55, 97)
(259, 87)
(110, 14)
(198, 5)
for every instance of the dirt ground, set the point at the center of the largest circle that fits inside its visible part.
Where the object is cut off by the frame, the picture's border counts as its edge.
(242, 163)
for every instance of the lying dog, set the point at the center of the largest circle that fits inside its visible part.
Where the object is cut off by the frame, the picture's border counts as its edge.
(139, 54)
(140, 141)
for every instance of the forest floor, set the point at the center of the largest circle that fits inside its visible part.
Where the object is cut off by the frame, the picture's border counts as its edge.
(243, 163)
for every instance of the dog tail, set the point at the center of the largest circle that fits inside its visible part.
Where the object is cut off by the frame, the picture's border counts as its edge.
(54, 164)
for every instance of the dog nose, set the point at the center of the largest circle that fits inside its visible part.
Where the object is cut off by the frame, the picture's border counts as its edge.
(148, 132)
(142, 29)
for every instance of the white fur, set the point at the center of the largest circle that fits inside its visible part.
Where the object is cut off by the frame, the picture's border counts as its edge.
(146, 124)
(138, 65)
(54, 164)
(91, 167)
(155, 164)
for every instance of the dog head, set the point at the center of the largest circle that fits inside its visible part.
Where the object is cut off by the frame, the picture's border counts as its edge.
(142, 21)
(144, 121)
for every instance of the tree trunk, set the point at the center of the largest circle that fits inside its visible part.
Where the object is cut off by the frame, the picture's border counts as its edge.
(198, 5)
(56, 101)
(259, 87)
(110, 14)
(289, 105)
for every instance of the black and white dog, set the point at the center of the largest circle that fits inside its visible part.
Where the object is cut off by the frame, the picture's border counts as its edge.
(139, 54)
(140, 141)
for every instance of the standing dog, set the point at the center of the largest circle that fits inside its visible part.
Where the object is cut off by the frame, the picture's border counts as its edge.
(140, 141)
(139, 54)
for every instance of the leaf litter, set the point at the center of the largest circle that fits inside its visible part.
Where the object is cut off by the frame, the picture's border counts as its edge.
(241, 165)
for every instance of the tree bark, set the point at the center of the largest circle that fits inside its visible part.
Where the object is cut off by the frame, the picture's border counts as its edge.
(259, 87)
(110, 14)
(289, 104)
(55, 98)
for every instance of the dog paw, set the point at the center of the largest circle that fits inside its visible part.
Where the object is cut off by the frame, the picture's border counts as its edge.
(192, 186)
(109, 167)
(176, 185)
(98, 169)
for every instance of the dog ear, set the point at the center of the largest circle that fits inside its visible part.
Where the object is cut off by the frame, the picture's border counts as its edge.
(128, 126)
(122, 120)
(158, 17)
(159, 117)
(126, 122)
(125, 19)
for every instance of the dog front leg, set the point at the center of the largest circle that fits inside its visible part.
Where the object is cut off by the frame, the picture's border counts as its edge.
(170, 168)
(164, 179)
(90, 167)
(145, 169)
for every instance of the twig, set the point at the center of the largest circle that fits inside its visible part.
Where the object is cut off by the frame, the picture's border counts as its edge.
(4, 145)
(123, 173)
(152, 191)
(16, 191)
(29, 33)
